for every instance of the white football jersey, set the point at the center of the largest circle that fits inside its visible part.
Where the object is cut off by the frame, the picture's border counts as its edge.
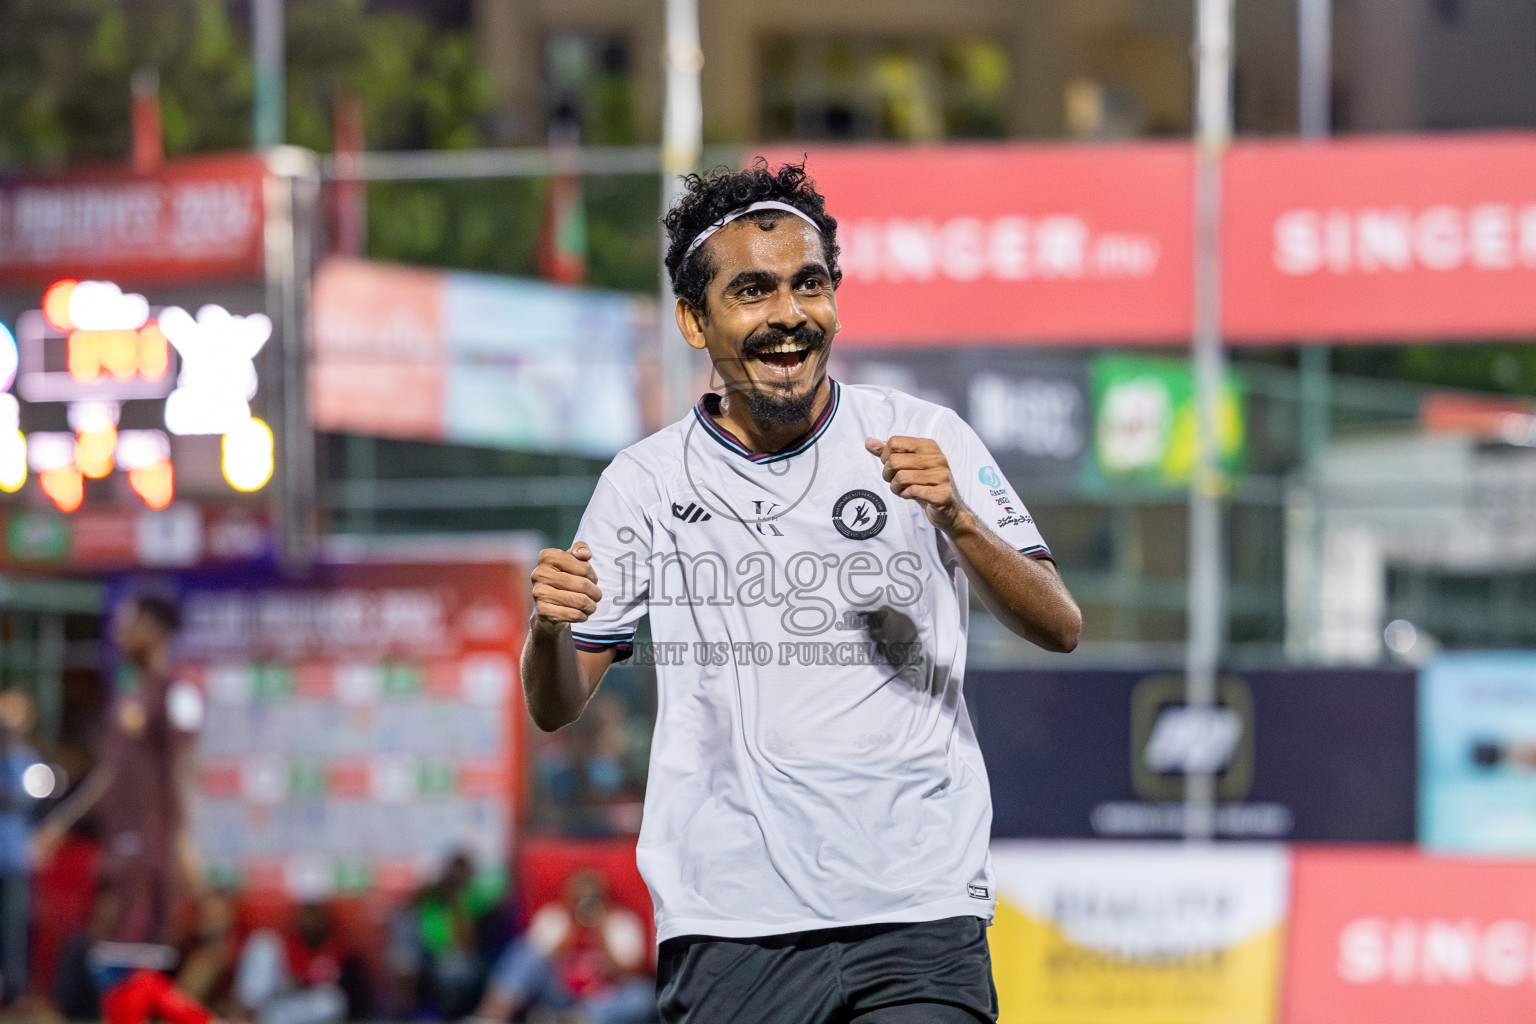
(813, 763)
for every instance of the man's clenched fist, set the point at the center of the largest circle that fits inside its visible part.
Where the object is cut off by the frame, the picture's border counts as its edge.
(916, 469)
(564, 587)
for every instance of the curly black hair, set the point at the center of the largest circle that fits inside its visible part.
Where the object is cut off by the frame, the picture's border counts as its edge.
(708, 197)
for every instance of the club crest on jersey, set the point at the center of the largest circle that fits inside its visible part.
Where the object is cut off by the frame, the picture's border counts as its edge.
(859, 514)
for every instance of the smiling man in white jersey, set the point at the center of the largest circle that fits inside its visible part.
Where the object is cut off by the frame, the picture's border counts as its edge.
(817, 814)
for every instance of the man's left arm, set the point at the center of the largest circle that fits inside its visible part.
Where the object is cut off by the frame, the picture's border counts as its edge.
(1024, 593)
(187, 709)
(188, 861)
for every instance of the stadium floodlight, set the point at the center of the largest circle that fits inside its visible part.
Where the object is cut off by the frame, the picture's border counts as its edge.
(13, 459)
(155, 484)
(248, 460)
(103, 306)
(218, 371)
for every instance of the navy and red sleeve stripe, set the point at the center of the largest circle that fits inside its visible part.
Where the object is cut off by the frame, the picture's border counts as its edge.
(1038, 551)
(621, 644)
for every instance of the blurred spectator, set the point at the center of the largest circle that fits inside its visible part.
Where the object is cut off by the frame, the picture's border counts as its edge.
(435, 953)
(140, 794)
(302, 976)
(583, 956)
(589, 775)
(74, 988)
(207, 967)
(18, 717)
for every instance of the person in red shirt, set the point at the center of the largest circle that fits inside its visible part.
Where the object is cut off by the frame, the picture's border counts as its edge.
(583, 955)
(305, 975)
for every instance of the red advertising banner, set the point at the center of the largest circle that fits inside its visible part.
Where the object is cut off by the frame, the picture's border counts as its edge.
(1010, 244)
(1394, 935)
(1381, 239)
(196, 219)
(380, 349)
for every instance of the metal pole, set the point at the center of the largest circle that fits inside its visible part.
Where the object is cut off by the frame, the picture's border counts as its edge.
(51, 646)
(1314, 115)
(504, 162)
(682, 143)
(1314, 49)
(1207, 606)
(1313, 415)
(508, 162)
(270, 114)
(292, 200)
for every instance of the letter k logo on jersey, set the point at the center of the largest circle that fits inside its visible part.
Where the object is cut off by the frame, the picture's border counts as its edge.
(766, 512)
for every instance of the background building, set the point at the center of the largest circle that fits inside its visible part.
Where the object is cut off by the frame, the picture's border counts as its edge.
(921, 72)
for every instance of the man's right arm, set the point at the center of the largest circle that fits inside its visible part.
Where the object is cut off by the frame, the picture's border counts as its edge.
(558, 680)
(50, 832)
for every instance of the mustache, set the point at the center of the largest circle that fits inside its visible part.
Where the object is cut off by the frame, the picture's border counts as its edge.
(768, 336)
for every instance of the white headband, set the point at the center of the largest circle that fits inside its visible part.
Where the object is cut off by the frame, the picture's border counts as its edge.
(766, 204)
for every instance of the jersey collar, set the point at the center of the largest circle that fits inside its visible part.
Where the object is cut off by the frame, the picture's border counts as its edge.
(710, 403)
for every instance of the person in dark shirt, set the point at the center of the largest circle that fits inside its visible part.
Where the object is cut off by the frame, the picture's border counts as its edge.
(435, 949)
(140, 795)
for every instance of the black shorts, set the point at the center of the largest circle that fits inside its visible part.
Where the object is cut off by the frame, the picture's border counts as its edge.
(934, 972)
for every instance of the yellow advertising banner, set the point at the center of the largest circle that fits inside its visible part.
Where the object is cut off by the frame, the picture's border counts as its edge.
(1138, 933)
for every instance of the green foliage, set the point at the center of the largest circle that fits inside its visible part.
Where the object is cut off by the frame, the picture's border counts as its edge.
(420, 88)
(65, 67)
(623, 240)
(490, 225)
(1509, 368)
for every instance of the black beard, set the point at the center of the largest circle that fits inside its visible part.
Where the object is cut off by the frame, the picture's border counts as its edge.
(780, 410)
